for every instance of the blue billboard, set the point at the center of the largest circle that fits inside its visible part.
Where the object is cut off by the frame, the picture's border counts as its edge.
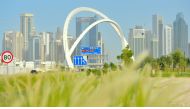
(80, 60)
(90, 50)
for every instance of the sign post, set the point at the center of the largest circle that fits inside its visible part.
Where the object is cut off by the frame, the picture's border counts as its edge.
(7, 57)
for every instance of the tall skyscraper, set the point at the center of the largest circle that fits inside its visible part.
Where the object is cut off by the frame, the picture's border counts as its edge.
(36, 48)
(59, 33)
(47, 46)
(101, 43)
(28, 30)
(71, 41)
(180, 33)
(167, 45)
(7, 40)
(157, 30)
(18, 45)
(59, 52)
(101, 58)
(148, 38)
(137, 40)
(90, 39)
(13, 41)
(154, 47)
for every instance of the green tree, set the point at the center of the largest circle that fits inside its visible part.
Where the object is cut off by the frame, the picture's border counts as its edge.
(113, 66)
(96, 72)
(178, 59)
(88, 72)
(168, 60)
(164, 62)
(188, 62)
(105, 68)
(148, 60)
(126, 55)
(183, 63)
(155, 64)
(152, 61)
(119, 58)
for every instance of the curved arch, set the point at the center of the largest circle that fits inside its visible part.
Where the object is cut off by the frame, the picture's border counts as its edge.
(66, 25)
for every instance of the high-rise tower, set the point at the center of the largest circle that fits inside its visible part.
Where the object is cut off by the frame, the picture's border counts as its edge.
(28, 30)
(180, 33)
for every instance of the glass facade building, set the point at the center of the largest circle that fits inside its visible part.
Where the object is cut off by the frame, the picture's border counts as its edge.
(28, 30)
(180, 34)
(90, 39)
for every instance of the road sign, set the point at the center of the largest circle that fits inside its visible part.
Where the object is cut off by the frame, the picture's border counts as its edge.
(80, 60)
(90, 50)
(6, 57)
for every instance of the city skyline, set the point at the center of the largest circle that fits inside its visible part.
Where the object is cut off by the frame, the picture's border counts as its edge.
(127, 19)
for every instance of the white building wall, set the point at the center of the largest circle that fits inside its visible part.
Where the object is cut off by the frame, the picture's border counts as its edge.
(167, 40)
(137, 40)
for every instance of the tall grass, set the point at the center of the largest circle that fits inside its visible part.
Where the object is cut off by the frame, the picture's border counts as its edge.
(126, 87)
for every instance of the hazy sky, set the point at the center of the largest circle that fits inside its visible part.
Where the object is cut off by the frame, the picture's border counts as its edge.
(49, 14)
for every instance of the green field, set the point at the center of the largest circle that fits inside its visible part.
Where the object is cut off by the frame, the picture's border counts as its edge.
(126, 87)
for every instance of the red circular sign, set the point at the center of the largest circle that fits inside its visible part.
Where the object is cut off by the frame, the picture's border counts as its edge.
(6, 57)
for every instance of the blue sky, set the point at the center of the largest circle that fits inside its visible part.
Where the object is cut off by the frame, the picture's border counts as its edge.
(49, 14)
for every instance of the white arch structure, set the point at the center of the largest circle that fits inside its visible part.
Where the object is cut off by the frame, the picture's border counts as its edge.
(68, 52)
